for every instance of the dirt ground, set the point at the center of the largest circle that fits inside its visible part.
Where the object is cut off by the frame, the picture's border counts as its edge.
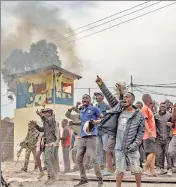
(16, 178)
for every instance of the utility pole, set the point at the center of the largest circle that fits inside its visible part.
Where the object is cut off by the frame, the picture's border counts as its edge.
(89, 90)
(131, 84)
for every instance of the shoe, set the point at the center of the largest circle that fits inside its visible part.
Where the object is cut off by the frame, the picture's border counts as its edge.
(107, 173)
(51, 180)
(82, 182)
(161, 172)
(100, 182)
(41, 175)
(169, 172)
(24, 169)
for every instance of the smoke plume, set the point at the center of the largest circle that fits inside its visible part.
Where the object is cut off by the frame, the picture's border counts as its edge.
(36, 21)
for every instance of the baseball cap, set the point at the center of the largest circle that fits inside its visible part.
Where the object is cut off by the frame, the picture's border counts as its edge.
(98, 93)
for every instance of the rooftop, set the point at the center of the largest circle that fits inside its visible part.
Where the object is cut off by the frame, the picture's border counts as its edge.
(47, 68)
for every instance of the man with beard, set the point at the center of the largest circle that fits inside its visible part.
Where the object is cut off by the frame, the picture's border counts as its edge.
(90, 117)
(163, 138)
(126, 123)
(101, 140)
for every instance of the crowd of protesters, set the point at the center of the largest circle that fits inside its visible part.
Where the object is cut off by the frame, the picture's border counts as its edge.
(111, 137)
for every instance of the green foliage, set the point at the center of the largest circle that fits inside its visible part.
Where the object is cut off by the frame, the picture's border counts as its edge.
(41, 54)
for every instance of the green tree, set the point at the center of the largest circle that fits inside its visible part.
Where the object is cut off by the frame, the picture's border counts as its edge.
(41, 54)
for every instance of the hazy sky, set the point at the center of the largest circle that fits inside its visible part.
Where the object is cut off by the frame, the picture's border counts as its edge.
(144, 48)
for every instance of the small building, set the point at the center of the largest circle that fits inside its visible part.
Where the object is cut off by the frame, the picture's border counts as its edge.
(52, 86)
(7, 139)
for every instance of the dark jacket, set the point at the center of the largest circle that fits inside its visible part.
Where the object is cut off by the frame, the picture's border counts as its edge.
(135, 126)
(49, 129)
(162, 129)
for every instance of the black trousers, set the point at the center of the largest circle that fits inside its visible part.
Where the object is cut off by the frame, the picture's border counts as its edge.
(162, 152)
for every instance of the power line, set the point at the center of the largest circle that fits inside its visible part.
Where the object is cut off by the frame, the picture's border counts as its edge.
(139, 91)
(122, 23)
(166, 84)
(67, 38)
(93, 88)
(110, 16)
(105, 19)
(159, 86)
(154, 92)
(74, 34)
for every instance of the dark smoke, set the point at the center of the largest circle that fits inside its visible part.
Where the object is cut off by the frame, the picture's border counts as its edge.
(36, 21)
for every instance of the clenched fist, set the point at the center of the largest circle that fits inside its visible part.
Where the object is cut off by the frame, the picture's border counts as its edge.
(99, 81)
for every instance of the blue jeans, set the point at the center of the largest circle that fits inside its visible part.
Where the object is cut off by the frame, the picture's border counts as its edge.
(121, 163)
(101, 142)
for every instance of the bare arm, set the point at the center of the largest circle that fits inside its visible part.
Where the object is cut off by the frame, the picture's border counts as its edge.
(65, 134)
(147, 127)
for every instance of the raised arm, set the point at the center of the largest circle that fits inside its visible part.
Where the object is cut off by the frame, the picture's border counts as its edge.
(108, 95)
(121, 93)
(76, 109)
(73, 117)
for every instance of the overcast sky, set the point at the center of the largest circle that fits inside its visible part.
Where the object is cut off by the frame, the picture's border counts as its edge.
(143, 48)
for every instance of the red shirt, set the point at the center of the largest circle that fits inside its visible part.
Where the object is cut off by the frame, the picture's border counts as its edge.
(66, 142)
